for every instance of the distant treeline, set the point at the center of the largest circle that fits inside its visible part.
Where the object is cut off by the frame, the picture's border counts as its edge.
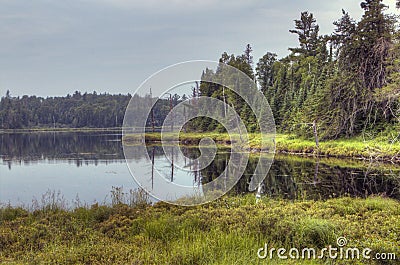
(77, 111)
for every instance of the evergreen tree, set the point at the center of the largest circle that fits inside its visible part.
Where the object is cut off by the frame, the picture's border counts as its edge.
(248, 55)
(264, 72)
(374, 33)
(307, 31)
(345, 30)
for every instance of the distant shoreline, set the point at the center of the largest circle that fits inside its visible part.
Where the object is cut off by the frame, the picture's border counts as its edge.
(355, 147)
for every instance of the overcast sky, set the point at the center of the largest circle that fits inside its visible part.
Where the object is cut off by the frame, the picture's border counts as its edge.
(50, 47)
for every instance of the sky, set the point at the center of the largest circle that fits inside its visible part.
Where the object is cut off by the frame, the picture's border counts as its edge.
(52, 48)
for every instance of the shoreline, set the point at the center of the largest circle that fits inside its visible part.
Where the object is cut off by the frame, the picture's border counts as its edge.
(378, 149)
(355, 148)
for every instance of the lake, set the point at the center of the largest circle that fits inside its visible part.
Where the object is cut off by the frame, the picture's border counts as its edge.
(87, 165)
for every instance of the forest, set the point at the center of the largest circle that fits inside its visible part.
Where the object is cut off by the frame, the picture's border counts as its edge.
(346, 83)
(87, 110)
(77, 111)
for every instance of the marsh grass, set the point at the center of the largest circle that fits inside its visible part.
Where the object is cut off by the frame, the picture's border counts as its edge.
(134, 197)
(50, 201)
(226, 231)
(379, 148)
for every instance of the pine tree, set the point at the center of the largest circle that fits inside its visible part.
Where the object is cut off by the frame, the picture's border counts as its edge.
(264, 72)
(374, 32)
(345, 30)
(389, 96)
(307, 30)
(248, 55)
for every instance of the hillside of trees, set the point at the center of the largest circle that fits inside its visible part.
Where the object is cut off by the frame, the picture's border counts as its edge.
(87, 110)
(77, 110)
(346, 83)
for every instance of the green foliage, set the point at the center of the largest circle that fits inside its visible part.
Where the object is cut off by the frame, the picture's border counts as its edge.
(228, 96)
(265, 72)
(346, 82)
(9, 213)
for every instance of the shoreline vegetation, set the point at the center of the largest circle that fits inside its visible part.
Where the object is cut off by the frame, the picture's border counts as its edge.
(229, 230)
(380, 148)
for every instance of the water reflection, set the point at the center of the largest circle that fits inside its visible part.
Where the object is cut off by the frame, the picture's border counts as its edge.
(78, 147)
(38, 161)
(313, 178)
(295, 177)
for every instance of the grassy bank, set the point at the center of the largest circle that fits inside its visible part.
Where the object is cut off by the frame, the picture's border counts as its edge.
(357, 147)
(227, 231)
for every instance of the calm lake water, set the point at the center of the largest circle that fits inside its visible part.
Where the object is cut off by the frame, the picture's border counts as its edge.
(88, 164)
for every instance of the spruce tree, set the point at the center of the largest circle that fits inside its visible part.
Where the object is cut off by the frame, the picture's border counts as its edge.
(307, 30)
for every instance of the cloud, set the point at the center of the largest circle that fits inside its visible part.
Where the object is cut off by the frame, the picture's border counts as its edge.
(175, 5)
